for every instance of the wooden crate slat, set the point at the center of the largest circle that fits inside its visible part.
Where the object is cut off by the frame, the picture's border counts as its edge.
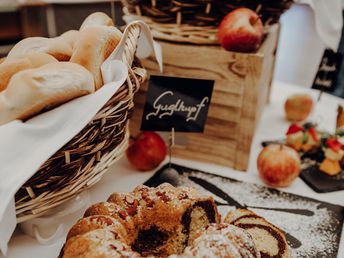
(225, 113)
(221, 128)
(227, 68)
(209, 144)
(226, 99)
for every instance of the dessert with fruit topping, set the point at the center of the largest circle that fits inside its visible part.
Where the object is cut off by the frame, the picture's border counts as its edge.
(303, 138)
(333, 151)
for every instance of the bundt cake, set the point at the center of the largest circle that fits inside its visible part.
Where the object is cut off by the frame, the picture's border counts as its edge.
(148, 221)
(170, 222)
(269, 239)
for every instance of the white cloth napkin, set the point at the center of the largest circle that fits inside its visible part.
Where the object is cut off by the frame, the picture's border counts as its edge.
(24, 147)
(328, 20)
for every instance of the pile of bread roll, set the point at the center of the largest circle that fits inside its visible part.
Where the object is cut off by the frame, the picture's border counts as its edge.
(40, 73)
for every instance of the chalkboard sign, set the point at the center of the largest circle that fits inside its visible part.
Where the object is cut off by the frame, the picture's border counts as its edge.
(179, 103)
(326, 77)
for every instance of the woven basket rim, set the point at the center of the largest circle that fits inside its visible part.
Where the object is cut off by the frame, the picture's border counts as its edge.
(182, 33)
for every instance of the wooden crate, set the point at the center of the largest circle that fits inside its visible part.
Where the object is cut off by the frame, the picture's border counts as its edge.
(242, 86)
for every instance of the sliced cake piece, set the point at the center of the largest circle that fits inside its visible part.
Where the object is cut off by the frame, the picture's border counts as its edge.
(223, 241)
(236, 214)
(269, 239)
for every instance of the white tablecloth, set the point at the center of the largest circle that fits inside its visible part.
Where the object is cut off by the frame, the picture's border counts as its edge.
(122, 177)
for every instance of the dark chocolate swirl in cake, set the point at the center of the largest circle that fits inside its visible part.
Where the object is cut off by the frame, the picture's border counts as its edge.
(269, 239)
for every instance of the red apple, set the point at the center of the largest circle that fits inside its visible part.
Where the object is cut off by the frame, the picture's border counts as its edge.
(241, 30)
(298, 107)
(146, 151)
(278, 165)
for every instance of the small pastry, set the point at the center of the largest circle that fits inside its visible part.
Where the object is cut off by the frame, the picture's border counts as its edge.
(303, 138)
(295, 136)
(333, 155)
(311, 139)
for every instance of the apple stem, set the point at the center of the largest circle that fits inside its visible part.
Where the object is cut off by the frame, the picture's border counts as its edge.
(255, 21)
(281, 146)
(259, 7)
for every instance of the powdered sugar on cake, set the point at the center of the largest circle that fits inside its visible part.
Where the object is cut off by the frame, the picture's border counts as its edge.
(317, 233)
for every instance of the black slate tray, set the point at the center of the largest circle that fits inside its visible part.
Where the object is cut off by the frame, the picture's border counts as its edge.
(314, 178)
(313, 228)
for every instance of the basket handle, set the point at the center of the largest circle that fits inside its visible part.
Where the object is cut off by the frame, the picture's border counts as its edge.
(126, 50)
(131, 42)
(132, 35)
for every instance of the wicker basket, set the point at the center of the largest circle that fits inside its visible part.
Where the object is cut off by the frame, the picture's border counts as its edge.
(83, 160)
(195, 21)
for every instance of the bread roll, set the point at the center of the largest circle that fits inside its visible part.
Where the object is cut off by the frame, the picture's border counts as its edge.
(32, 90)
(70, 37)
(94, 45)
(59, 49)
(96, 19)
(11, 67)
